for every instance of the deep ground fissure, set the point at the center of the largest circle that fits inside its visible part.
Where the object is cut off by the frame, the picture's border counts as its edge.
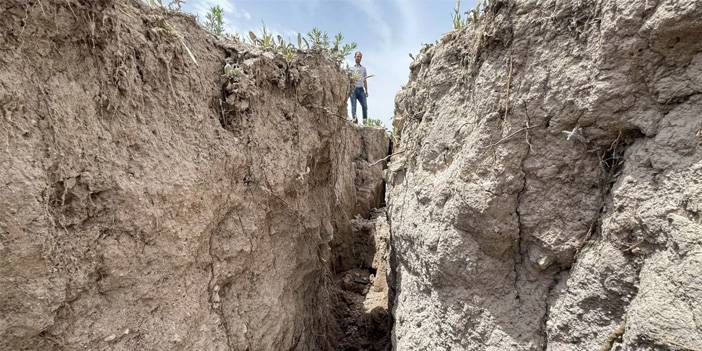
(361, 297)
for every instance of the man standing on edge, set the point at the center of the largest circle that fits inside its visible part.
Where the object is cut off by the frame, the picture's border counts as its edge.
(360, 89)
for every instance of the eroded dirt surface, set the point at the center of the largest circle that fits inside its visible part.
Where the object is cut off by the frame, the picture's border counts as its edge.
(548, 195)
(362, 292)
(150, 203)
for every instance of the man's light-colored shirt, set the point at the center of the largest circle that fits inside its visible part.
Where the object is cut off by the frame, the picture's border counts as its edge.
(360, 73)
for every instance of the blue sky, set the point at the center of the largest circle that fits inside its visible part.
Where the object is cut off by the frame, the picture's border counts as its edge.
(386, 32)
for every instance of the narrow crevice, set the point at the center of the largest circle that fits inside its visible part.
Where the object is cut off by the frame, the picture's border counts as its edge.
(392, 277)
(213, 288)
(518, 242)
(517, 252)
(363, 289)
(547, 300)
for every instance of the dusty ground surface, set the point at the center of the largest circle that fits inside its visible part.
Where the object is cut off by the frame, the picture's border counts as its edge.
(507, 234)
(147, 202)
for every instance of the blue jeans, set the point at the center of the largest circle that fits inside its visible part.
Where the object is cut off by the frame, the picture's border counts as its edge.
(360, 95)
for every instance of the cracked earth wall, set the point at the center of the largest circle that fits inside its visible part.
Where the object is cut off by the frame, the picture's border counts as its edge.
(147, 202)
(507, 235)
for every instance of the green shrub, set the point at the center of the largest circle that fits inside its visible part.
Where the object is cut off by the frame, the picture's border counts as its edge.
(214, 21)
(232, 72)
(457, 17)
(472, 16)
(370, 122)
(319, 39)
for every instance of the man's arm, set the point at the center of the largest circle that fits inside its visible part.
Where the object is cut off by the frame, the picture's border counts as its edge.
(365, 81)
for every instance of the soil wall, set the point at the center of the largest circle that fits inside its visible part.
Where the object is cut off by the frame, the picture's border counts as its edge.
(149, 202)
(548, 195)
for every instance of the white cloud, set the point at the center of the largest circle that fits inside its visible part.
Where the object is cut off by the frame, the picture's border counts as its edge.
(202, 7)
(410, 19)
(310, 5)
(245, 14)
(371, 10)
(231, 12)
(288, 34)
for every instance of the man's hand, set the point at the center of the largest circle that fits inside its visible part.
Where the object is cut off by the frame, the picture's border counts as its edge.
(366, 93)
